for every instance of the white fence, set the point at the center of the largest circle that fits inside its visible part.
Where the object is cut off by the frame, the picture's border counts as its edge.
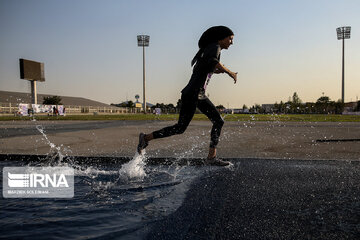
(9, 108)
(351, 113)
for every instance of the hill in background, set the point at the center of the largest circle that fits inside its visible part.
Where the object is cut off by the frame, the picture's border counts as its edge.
(18, 97)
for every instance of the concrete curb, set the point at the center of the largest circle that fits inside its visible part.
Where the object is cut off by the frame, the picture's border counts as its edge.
(167, 161)
(101, 160)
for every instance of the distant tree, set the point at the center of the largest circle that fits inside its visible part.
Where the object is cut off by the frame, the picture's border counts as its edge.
(130, 104)
(295, 104)
(280, 107)
(160, 105)
(178, 104)
(170, 106)
(244, 107)
(339, 107)
(309, 107)
(295, 99)
(54, 100)
(323, 104)
(165, 108)
(256, 108)
(323, 99)
(276, 107)
(220, 107)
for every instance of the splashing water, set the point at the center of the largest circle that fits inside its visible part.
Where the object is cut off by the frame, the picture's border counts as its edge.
(55, 157)
(134, 168)
(133, 171)
(55, 153)
(130, 171)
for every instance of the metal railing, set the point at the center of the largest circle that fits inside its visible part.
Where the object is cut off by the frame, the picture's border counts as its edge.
(8, 108)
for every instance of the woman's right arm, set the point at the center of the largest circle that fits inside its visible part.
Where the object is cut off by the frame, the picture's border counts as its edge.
(222, 69)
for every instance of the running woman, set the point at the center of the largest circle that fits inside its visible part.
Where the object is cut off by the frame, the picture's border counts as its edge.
(206, 62)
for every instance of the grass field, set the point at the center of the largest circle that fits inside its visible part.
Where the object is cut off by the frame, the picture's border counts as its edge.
(199, 117)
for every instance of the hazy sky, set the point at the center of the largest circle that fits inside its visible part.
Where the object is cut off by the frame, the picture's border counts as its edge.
(90, 49)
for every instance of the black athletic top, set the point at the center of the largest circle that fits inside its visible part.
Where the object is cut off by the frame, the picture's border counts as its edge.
(204, 65)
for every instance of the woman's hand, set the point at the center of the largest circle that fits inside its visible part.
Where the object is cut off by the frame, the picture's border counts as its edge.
(233, 76)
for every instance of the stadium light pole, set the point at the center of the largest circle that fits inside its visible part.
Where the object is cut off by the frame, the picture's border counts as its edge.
(143, 41)
(342, 34)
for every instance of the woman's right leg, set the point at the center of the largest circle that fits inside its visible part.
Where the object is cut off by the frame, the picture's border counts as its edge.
(187, 112)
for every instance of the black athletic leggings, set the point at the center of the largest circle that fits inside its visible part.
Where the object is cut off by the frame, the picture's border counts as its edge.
(187, 111)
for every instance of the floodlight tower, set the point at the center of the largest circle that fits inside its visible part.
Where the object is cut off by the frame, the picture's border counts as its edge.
(342, 34)
(143, 41)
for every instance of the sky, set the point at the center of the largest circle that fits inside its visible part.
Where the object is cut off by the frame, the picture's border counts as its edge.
(89, 48)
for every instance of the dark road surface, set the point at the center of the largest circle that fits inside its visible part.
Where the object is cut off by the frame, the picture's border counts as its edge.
(253, 199)
(266, 199)
(257, 198)
(61, 127)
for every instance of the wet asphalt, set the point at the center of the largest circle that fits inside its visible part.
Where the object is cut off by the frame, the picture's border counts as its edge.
(269, 199)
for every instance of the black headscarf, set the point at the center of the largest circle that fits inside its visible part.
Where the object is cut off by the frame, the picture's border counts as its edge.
(211, 35)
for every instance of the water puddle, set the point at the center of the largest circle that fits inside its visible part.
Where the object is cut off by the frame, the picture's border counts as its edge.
(110, 198)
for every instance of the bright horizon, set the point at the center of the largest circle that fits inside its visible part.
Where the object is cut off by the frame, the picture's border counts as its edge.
(89, 48)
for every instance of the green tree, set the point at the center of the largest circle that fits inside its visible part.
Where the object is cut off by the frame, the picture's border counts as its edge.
(165, 108)
(178, 104)
(281, 107)
(54, 100)
(256, 109)
(339, 107)
(130, 104)
(323, 99)
(322, 105)
(220, 107)
(295, 99)
(171, 108)
(295, 104)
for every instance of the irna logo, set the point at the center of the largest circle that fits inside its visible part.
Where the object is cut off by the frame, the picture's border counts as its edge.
(37, 180)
